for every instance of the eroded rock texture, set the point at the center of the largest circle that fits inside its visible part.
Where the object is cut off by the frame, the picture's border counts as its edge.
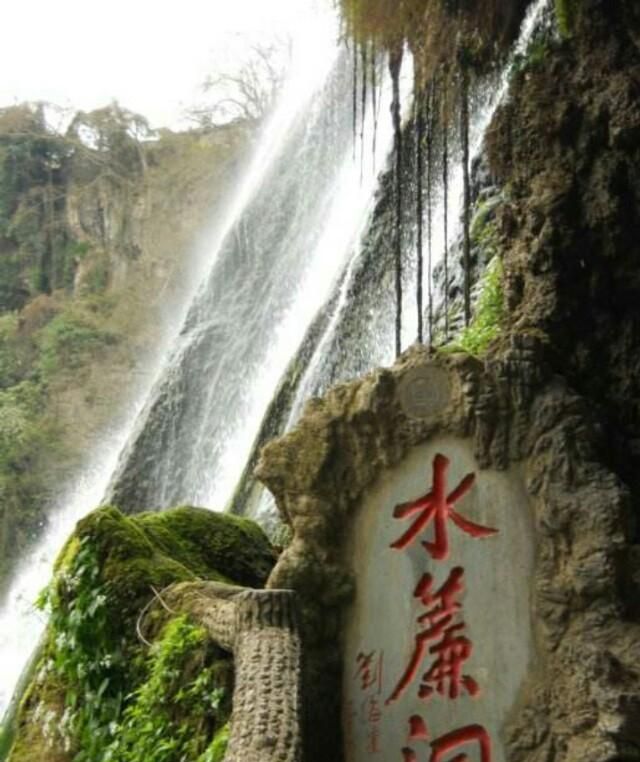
(581, 699)
(567, 148)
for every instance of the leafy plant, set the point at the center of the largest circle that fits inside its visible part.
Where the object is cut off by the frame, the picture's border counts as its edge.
(101, 694)
(180, 697)
(487, 320)
(218, 747)
(566, 12)
(84, 656)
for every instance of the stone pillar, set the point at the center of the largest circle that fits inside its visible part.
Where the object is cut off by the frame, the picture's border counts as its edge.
(265, 723)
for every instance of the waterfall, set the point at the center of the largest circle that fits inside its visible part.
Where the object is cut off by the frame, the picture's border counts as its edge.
(276, 268)
(314, 55)
(296, 285)
(358, 330)
(370, 293)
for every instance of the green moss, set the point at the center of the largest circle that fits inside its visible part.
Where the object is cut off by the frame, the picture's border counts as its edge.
(67, 555)
(566, 12)
(235, 544)
(158, 549)
(105, 695)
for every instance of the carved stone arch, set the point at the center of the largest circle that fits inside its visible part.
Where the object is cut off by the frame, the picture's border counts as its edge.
(577, 697)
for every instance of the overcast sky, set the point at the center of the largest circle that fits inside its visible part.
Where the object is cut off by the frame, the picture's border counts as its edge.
(150, 55)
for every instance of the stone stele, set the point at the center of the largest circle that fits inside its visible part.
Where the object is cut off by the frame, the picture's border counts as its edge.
(381, 627)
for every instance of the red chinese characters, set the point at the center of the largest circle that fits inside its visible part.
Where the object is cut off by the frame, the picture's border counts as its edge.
(457, 739)
(441, 647)
(449, 648)
(374, 716)
(369, 670)
(437, 507)
(368, 673)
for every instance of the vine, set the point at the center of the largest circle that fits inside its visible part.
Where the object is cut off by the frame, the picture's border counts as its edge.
(101, 696)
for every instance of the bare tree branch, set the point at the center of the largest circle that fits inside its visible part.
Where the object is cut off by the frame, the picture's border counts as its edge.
(246, 93)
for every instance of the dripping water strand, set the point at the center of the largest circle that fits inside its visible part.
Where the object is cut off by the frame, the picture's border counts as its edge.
(395, 65)
(363, 107)
(355, 98)
(419, 127)
(445, 200)
(429, 119)
(374, 101)
(464, 132)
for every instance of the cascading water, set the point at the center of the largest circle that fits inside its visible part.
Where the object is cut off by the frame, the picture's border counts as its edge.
(314, 53)
(366, 306)
(358, 328)
(275, 270)
(288, 247)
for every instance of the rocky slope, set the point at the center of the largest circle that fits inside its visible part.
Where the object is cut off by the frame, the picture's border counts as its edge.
(100, 232)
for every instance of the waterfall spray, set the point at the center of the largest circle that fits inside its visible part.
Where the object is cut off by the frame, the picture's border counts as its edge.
(20, 624)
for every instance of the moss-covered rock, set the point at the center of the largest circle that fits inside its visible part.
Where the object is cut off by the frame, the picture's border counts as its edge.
(122, 676)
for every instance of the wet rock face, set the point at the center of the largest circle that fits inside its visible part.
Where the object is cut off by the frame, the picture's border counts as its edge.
(512, 413)
(567, 145)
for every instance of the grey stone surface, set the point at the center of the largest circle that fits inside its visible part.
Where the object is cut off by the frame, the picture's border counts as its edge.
(424, 391)
(495, 605)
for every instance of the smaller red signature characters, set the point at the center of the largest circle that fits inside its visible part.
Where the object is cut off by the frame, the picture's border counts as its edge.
(374, 717)
(437, 507)
(441, 747)
(369, 670)
(450, 648)
(368, 674)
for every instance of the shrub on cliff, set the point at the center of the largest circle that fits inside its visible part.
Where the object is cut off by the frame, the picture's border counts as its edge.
(110, 686)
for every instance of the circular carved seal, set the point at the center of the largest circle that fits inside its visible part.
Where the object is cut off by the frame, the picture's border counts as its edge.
(424, 391)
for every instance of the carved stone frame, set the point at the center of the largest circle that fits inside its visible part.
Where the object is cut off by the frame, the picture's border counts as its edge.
(581, 700)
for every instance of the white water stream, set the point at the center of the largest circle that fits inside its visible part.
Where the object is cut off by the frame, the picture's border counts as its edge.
(21, 625)
(379, 349)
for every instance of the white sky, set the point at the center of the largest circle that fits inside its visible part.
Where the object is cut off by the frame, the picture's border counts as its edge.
(150, 55)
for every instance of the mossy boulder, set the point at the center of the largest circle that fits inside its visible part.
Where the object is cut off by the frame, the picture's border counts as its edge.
(122, 676)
